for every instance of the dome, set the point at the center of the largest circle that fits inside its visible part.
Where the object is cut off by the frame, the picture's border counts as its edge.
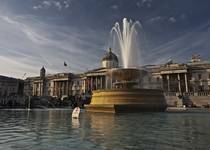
(109, 56)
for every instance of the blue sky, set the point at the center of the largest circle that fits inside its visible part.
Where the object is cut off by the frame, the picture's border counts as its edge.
(36, 33)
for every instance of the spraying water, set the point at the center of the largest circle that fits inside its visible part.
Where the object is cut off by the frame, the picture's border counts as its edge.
(126, 41)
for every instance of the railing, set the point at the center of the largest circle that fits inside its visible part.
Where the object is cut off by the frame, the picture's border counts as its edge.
(207, 93)
(189, 94)
(170, 93)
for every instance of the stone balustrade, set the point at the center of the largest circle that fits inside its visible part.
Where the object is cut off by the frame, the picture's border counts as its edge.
(206, 93)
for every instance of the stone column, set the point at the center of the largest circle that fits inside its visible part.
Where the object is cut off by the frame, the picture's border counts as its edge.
(84, 85)
(53, 87)
(106, 84)
(96, 82)
(111, 81)
(68, 87)
(56, 88)
(101, 82)
(33, 93)
(40, 89)
(91, 83)
(59, 89)
(168, 81)
(65, 87)
(186, 84)
(87, 84)
(179, 84)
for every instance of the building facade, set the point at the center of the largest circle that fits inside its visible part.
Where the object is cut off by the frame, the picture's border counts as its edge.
(10, 87)
(183, 78)
(56, 85)
(171, 77)
(11, 92)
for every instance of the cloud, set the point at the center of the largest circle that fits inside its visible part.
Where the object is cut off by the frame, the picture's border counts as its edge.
(183, 16)
(143, 3)
(26, 44)
(46, 4)
(172, 19)
(115, 7)
(162, 18)
(156, 19)
(66, 3)
(182, 47)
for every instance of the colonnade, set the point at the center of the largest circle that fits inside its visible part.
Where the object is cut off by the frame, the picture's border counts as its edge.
(179, 82)
(95, 83)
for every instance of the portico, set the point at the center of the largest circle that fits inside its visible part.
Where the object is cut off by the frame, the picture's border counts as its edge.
(175, 78)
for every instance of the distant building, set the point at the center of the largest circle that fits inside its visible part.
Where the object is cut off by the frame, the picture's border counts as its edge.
(67, 84)
(171, 77)
(98, 79)
(11, 92)
(56, 85)
(10, 87)
(182, 78)
(110, 60)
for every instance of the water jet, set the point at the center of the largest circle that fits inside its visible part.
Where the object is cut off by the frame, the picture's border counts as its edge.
(125, 94)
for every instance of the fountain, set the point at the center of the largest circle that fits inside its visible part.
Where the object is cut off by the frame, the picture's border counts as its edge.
(125, 94)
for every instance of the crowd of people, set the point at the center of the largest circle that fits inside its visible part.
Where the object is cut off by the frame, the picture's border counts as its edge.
(79, 100)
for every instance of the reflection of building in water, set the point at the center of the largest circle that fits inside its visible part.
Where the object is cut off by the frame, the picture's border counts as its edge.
(104, 127)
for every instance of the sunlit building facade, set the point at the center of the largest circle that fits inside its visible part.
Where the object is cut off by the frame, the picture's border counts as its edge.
(171, 77)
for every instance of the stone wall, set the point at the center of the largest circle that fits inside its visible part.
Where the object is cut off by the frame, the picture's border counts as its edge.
(198, 99)
(171, 100)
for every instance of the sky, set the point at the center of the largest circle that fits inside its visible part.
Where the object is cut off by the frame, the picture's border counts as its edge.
(36, 33)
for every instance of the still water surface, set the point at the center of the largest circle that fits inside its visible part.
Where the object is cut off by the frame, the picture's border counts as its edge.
(56, 130)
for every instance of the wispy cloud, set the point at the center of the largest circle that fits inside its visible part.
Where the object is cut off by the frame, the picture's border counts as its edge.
(46, 4)
(181, 48)
(143, 3)
(115, 7)
(172, 19)
(156, 19)
(32, 44)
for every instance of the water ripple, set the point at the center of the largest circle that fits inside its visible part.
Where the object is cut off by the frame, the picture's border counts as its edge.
(55, 129)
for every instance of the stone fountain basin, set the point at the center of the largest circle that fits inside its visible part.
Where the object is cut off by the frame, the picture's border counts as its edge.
(127, 74)
(127, 100)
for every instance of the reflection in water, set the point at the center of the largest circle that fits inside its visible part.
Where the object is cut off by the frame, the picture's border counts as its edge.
(75, 123)
(55, 129)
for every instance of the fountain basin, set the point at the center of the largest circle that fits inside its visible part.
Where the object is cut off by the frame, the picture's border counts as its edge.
(126, 74)
(127, 100)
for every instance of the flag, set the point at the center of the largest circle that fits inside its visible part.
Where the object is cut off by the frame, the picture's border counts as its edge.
(65, 64)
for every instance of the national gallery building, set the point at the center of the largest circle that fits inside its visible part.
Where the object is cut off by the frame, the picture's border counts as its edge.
(193, 76)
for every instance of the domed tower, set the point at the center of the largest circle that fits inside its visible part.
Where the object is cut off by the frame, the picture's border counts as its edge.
(110, 60)
(42, 72)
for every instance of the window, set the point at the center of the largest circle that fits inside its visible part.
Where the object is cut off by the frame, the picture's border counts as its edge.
(149, 79)
(199, 76)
